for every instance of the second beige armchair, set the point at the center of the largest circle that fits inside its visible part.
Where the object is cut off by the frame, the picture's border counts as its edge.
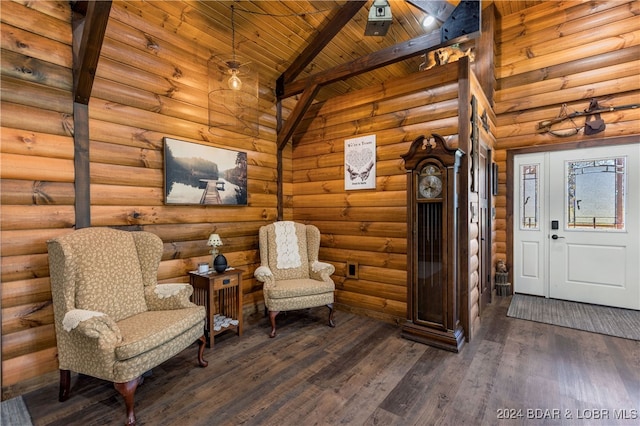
(289, 268)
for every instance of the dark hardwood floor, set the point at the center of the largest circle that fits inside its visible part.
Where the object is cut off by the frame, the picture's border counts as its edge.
(363, 373)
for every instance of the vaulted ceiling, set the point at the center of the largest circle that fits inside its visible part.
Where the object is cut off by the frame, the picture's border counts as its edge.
(303, 37)
(274, 33)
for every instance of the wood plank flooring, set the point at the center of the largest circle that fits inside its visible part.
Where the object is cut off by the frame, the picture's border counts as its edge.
(363, 373)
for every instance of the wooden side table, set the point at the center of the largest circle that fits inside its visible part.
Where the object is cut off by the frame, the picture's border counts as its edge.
(221, 294)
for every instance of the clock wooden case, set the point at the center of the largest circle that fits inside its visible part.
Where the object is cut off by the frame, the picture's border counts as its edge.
(433, 299)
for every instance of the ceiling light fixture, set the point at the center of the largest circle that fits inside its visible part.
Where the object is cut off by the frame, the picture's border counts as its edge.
(234, 81)
(428, 21)
(379, 18)
(233, 94)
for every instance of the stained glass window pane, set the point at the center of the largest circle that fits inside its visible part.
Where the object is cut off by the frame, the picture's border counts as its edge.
(529, 190)
(596, 193)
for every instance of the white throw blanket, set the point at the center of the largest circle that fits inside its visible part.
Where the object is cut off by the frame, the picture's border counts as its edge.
(76, 316)
(287, 245)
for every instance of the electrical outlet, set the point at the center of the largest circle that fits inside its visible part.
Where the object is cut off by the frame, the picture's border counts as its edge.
(352, 269)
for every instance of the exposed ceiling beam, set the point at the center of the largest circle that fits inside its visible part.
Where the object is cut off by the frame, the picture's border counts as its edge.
(399, 52)
(89, 25)
(330, 29)
(296, 115)
(366, 63)
(461, 26)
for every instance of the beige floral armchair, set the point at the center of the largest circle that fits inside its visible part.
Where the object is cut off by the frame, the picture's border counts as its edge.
(113, 320)
(289, 268)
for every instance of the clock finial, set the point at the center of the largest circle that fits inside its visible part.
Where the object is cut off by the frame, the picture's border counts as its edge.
(429, 143)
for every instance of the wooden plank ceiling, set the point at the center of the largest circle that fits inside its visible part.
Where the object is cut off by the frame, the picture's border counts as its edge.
(272, 34)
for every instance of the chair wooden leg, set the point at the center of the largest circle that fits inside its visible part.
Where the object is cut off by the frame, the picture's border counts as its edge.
(331, 323)
(127, 390)
(65, 385)
(272, 318)
(202, 342)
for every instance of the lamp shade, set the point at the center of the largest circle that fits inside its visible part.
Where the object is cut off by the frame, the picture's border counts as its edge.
(214, 240)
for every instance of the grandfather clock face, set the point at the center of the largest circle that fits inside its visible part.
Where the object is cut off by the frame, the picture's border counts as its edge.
(430, 182)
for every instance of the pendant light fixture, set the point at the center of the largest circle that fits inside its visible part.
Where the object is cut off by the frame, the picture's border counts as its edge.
(234, 81)
(233, 94)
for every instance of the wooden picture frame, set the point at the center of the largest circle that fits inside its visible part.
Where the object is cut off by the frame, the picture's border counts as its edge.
(197, 174)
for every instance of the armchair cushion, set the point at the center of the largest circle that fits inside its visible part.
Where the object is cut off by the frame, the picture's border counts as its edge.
(299, 287)
(148, 330)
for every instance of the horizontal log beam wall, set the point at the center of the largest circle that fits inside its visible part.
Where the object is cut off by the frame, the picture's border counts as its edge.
(37, 179)
(550, 55)
(562, 53)
(134, 104)
(369, 226)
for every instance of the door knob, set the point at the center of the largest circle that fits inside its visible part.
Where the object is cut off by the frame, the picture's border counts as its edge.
(555, 237)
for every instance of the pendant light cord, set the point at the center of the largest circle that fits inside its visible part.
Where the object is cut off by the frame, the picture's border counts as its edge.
(233, 33)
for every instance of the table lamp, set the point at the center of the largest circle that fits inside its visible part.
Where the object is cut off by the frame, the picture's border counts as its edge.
(219, 262)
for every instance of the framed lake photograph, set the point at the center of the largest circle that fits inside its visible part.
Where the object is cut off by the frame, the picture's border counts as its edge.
(204, 175)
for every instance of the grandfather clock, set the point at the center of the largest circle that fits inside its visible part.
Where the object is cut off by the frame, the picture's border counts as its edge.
(433, 299)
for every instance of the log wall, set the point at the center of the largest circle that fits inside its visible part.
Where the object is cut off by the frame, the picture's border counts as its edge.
(562, 53)
(134, 105)
(368, 227)
(37, 177)
(548, 56)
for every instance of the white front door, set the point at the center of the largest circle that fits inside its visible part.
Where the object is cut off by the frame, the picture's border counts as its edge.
(589, 233)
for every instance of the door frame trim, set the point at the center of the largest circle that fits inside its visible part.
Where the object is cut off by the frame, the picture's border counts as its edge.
(485, 251)
(511, 153)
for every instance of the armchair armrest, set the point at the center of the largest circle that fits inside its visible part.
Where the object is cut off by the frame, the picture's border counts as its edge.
(163, 297)
(93, 324)
(321, 270)
(264, 275)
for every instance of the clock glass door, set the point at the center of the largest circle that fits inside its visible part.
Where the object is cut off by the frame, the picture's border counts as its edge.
(430, 271)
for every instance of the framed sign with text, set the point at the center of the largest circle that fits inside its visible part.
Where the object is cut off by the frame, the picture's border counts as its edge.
(360, 162)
